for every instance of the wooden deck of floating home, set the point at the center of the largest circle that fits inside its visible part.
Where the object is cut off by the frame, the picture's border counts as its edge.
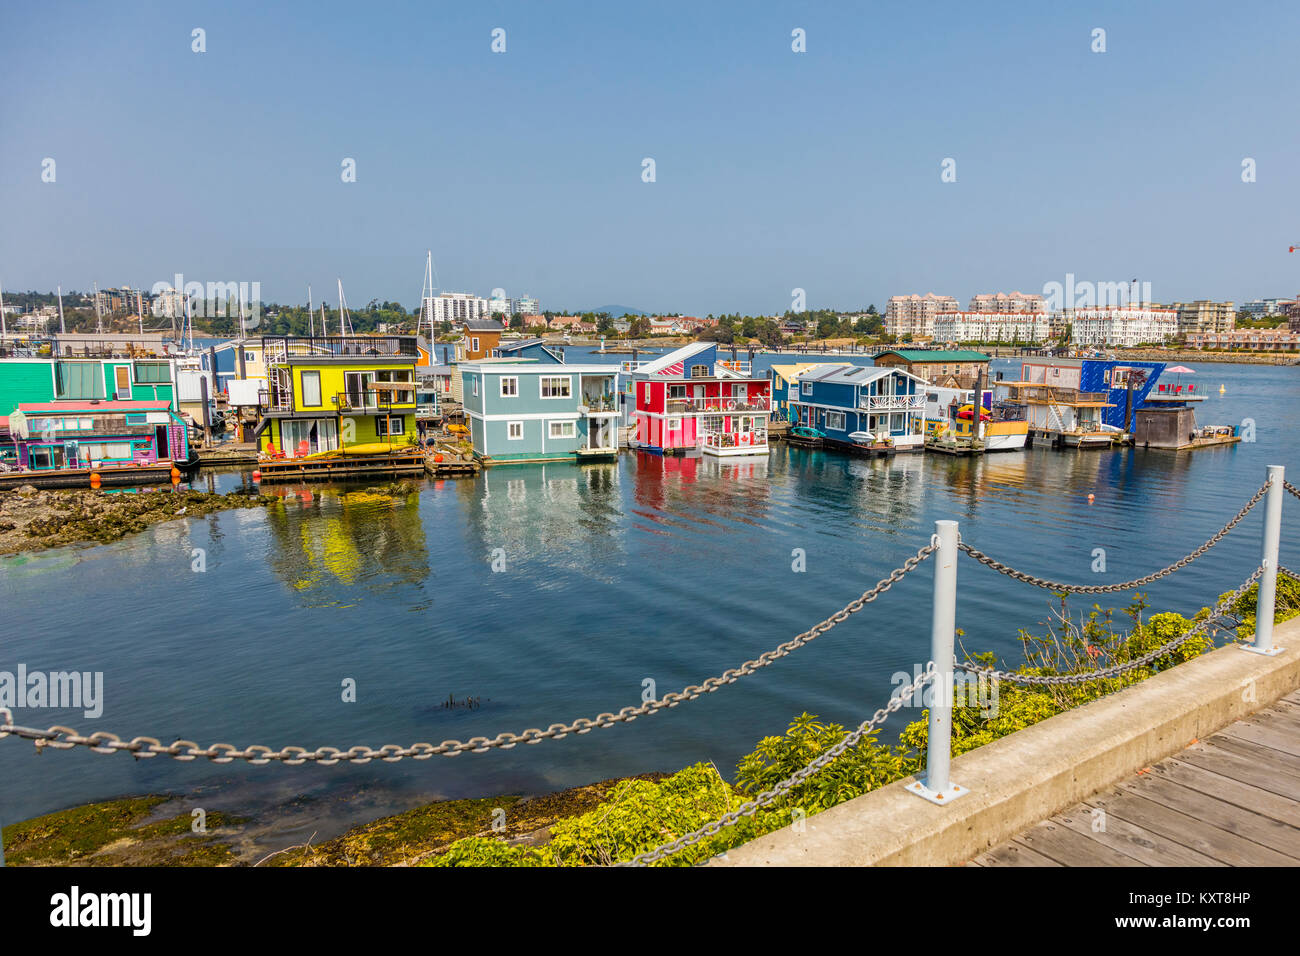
(1230, 800)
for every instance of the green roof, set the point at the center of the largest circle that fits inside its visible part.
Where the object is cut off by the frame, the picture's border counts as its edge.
(938, 355)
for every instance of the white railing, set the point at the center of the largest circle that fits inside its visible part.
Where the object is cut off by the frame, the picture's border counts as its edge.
(892, 402)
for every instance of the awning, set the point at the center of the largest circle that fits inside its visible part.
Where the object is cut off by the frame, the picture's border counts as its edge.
(393, 386)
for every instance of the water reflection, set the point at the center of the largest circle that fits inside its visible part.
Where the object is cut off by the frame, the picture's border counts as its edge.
(326, 538)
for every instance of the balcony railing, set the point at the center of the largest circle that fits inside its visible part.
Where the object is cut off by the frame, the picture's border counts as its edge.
(892, 402)
(369, 401)
(340, 346)
(601, 403)
(754, 439)
(678, 406)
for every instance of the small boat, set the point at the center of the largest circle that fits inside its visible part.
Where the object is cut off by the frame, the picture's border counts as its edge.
(804, 435)
(862, 438)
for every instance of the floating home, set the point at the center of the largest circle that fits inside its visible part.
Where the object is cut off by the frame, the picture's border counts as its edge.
(529, 411)
(855, 407)
(951, 425)
(125, 442)
(333, 393)
(688, 402)
(785, 388)
(1080, 403)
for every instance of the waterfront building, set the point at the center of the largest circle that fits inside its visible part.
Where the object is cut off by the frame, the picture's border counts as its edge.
(841, 401)
(325, 393)
(527, 305)
(526, 410)
(1258, 308)
(237, 360)
(1004, 302)
(914, 315)
(994, 327)
(1123, 326)
(479, 339)
(1204, 316)
(785, 388)
(688, 400)
(1252, 340)
(950, 368)
(1080, 403)
(99, 433)
(500, 305)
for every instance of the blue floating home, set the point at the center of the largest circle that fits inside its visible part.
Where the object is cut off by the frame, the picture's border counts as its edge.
(855, 406)
(533, 411)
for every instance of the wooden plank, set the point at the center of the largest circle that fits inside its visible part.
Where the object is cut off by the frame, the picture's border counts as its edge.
(1195, 834)
(1276, 761)
(1266, 735)
(1243, 769)
(1132, 840)
(1233, 791)
(1281, 719)
(1072, 848)
(1282, 837)
(1013, 854)
(1293, 697)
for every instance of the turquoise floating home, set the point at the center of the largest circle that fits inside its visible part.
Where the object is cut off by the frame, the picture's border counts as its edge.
(529, 411)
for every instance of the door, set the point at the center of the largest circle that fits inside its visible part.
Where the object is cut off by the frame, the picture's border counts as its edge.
(122, 380)
(161, 445)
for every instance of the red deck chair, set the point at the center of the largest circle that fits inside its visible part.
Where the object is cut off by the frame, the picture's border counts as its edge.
(303, 448)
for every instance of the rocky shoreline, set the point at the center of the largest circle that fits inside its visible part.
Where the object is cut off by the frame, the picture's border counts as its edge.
(158, 830)
(33, 519)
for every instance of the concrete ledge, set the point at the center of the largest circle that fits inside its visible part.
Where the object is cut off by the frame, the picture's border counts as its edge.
(1034, 773)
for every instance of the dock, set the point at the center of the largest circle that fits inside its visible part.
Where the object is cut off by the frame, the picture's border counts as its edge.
(396, 464)
(453, 464)
(121, 476)
(229, 453)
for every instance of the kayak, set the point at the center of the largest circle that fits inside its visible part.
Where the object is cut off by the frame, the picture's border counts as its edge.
(374, 448)
(803, 431)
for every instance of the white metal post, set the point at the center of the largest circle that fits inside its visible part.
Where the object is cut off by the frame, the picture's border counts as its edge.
(1268, 559)
(937, 788)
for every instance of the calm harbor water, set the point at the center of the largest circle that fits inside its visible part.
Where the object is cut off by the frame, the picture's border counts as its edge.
(648, 568)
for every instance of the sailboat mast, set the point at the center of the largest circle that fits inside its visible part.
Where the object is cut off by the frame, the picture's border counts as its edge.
(311, 315)
(99, 315)
(3, 331)
(62, 330)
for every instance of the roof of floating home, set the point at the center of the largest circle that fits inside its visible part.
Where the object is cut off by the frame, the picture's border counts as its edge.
(938, 355)
(846, 374)
(798, 368)
(672, 358)
(482, 325)
(92, 405)
(495, 365)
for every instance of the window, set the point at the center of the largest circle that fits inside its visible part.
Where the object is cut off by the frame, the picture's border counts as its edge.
(515, 430)
(699, 371)
(357, 387)
(835, 420)
(807, 388)
(509, 386)
(474, 380)
(79, 380)
(674, 424)
(557, 386)
(565, 429)
(390, 425)
(473, 344)
(250, 356)
(152, 373)
(676, 391)
(311, 389)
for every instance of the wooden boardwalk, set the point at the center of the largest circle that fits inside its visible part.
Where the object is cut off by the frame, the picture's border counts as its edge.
(1230, 800)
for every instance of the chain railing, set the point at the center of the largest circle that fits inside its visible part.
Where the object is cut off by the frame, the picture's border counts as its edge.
(1104, 673)
(1178, 565)
(64, 738)
(1291, 488)
(768, 797)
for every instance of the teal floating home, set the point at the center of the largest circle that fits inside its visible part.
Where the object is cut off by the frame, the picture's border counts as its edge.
(532, 411)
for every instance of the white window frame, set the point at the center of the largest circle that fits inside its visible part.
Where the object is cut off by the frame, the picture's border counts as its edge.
(510, 431)
(564, 423)
(474, 381)
(514, 379)
(543, 379)
(382, 423)
(807, 388)
(473, 343)
(833, 417)
(674, 425)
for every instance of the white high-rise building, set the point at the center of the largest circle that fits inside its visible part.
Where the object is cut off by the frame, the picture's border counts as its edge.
(499, 303)
(1121, 325)
(992, 327)
(527, 305)
(1004, 302)
(455, 307)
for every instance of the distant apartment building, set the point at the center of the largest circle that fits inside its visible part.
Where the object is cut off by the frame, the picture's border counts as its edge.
(125, 299)
(914, 314)
(1258, 308)
(1254, 340)
(1005, 302)
(501, 304)
(1025, 326)
(456, 307)
(1204, 316)
(527, 305)
(1121, 325)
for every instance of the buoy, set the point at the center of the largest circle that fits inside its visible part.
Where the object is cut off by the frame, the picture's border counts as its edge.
(1222, 389)
(1091, 498)
(96, 479)
(437, 458)
(176, 473)
(257, 475)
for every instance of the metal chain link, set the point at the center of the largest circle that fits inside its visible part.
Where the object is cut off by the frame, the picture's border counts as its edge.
(896, 703)
(65, 738)
(1291, 488)
(1181, 563)
(1115, 669)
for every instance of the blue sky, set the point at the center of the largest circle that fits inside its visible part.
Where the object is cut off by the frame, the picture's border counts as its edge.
(774, 170)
